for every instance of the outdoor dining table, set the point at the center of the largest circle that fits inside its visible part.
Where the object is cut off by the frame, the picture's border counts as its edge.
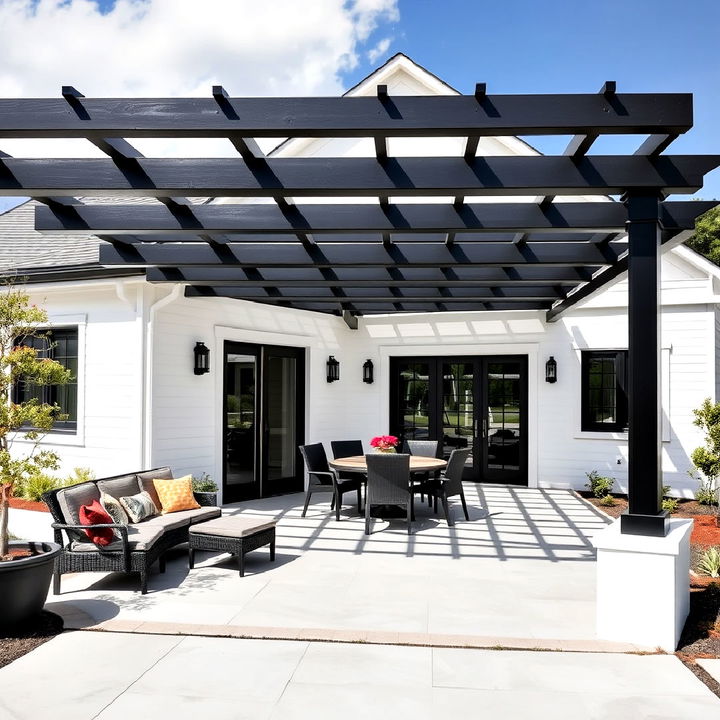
(358, 464)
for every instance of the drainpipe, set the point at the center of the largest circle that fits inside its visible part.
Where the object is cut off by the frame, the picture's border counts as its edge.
(149, 349)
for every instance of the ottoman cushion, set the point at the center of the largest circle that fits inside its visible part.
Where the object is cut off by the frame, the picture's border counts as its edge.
(232, 527)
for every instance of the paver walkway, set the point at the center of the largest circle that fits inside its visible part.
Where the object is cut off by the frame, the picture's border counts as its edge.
(523, 569)
(113, 676)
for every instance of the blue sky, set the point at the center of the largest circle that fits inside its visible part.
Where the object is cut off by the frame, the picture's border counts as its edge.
(515, 46)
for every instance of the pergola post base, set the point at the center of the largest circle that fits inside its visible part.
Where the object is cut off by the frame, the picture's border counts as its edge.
(643, 592)
(637, 524)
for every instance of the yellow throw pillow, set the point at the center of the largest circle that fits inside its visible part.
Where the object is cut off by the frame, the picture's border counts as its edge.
(176, 494)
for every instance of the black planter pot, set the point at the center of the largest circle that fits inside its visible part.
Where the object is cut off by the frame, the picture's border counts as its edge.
(24, 583)
(206, 499)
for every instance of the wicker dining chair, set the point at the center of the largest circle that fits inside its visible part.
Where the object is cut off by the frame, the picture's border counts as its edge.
(449, 483)
(321, 478)
(348, 448)
(426, 448)
(388, 483)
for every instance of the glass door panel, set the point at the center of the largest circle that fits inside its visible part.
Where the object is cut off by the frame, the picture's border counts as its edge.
(240, 426)
(458, 407)
(414, 399)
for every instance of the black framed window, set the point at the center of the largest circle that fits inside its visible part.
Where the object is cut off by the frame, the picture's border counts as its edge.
(604, 394)
(60, 345)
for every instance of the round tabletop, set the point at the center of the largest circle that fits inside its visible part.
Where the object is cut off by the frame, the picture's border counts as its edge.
(357, 463)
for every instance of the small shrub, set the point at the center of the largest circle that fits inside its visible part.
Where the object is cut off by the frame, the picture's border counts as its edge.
(607, 500)
(32, 488)
(204, 484)
(705, 495)
(670, 504)
(599, 486)
(709, 563)
(78, 475)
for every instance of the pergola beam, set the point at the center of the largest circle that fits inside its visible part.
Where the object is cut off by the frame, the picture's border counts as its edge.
(462, 115)
(339, 177)
(366, 255)
(568, 218)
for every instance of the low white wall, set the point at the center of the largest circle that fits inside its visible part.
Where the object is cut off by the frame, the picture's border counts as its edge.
(30, 524)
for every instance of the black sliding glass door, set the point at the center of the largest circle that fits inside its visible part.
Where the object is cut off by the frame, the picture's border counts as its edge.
(263, 420)
(466, 402)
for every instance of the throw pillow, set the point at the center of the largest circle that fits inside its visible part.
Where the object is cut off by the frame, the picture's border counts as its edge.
(94, 514)
(176, 495)
(138, 507)
(114, 509)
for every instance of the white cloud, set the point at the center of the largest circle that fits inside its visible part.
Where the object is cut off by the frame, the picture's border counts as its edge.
(182, 47)
(375, 53)
(179, 48)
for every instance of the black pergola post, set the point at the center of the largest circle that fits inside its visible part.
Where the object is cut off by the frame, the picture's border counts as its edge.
(645, 515)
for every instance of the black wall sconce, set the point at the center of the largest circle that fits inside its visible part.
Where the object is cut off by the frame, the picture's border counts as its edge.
(551, 370)
(368, 372)
(202, 358)
(333, 369)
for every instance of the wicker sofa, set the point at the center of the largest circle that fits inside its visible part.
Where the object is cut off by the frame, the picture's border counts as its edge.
(140, 544)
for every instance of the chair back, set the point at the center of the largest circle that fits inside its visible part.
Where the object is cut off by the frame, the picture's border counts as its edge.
(388, 480)
(346, 448)
(316, 460)
(425, 448)
(453, 473)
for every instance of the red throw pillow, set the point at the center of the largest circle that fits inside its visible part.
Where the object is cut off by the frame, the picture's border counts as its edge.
(95, 514)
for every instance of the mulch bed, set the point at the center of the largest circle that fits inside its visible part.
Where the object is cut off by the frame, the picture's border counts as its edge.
(21, 504)
(18, 641)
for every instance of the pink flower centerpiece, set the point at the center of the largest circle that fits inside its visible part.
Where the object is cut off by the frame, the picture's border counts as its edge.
(384, 443)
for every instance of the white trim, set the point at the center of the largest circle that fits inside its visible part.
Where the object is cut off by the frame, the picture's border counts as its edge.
(531, 350)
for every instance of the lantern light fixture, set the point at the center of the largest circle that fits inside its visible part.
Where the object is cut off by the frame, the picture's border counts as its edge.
(368, 370)
(333, 369)
(202, 358)
(551, 370)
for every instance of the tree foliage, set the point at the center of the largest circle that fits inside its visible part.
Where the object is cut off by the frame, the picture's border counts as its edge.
(706, 239)
(707, 458)
(20, 321)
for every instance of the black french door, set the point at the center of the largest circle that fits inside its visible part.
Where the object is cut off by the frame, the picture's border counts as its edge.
(263, 420)
(475, 402)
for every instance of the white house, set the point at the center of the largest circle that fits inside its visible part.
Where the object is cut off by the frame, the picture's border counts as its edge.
(472, 378)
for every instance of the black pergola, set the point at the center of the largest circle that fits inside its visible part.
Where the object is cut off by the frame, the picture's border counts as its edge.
(388, 255)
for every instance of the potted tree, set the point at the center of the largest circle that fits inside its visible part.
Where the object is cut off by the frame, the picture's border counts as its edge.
(205, 490)
(25, 567)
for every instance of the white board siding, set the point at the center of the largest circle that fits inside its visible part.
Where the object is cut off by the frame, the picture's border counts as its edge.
(109, 378)
(716, 314)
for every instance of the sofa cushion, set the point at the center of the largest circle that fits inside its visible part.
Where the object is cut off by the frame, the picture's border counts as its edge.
(176, 494)
(146, 482)
(140, 537)
(232, 526)
(139, 506)
(95, 514)
(121, 486)
(114, 509)
(73, 497)
(183, 517)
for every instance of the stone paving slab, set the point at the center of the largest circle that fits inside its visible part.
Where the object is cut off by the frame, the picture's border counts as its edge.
(109, 676)
(522, 568)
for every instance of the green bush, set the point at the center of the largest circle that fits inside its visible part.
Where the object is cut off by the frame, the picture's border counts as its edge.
(607, 500)
(599, 486)
(78, 475)
(35, 486)
(709, 563)
(670, 504)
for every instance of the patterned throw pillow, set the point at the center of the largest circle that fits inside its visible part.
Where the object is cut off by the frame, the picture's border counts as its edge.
(139, 507)
(114, 509)
(176, 494)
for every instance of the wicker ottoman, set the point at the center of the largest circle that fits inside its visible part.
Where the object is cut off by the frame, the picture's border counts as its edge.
(236, 535)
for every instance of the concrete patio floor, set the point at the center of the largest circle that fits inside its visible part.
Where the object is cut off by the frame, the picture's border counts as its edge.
(520, 573)
(119, 675)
